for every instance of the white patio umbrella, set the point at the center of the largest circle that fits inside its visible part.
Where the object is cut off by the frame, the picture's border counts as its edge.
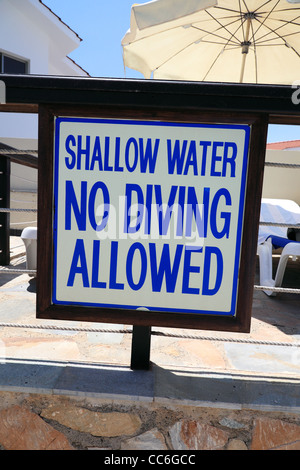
(246, 41)
(156, 21)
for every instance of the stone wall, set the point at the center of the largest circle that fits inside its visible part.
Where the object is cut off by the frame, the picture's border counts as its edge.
(45, 422)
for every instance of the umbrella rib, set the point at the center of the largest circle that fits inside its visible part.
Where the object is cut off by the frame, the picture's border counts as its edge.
(221, 52)
(237, 42)
(265, 19)
(226, 9)
(282, 38)
(207, 32)
(280, 20)
(210, 68)
(215, 34)
(261, 6)
(213, 63)
(174, 55)
(222, 26)
(233, 46)
(288, 9)
(293, 49)
(245, 4)
(289, 22)
(281, 26)
(241, 19)
(255, 53)
(274, 31)
(261, 42)
(271, 45)
(195, 27)
(178, 52)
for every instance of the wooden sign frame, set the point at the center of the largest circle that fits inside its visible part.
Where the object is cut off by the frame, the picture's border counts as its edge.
(242, 320)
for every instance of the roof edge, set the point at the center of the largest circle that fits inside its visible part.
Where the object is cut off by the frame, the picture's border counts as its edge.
(77, 65)
(65, 24)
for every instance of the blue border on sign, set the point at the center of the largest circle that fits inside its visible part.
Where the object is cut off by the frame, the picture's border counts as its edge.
(244, 127)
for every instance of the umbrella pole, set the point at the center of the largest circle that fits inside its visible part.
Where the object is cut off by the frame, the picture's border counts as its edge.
(245, 49)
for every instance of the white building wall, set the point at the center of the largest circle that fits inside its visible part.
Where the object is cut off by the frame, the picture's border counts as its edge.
(29, 31)
(282, 183)
(23, 38)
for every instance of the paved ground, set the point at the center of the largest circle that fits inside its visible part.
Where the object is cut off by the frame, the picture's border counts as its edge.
(224, 367)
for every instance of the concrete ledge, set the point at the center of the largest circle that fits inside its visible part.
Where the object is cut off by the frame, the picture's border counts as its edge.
(227, 390)
(197, 388)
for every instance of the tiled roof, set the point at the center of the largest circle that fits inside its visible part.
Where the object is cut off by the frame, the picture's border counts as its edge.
(283, 145)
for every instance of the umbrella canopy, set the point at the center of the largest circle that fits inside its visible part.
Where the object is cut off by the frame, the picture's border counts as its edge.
(246, 41)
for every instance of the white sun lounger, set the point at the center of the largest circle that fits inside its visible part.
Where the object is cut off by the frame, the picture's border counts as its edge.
(279, 211)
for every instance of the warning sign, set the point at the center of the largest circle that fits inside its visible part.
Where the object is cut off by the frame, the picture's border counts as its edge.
(148, 214)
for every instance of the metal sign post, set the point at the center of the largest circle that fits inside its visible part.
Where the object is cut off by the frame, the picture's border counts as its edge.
(140, 347)
(4, 216)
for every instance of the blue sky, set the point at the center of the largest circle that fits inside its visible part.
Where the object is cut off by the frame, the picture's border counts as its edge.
(101, 25)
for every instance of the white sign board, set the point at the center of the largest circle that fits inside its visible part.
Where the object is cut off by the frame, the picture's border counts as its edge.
(148, 214)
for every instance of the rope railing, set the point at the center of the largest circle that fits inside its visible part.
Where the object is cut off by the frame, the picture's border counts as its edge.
(282, 165)
(279, 224)
(10, 151)
(286, 290)
(9, 270)
(28, 158)
(153, 333)
(10, 209)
